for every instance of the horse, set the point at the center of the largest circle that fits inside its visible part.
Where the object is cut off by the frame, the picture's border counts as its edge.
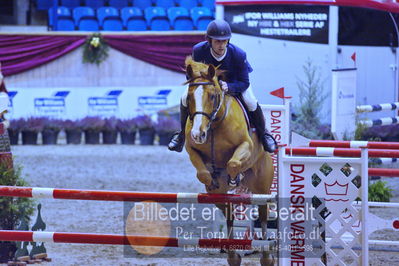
(221, 147)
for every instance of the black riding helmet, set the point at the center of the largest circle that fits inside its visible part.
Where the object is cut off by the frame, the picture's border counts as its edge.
(219, 30)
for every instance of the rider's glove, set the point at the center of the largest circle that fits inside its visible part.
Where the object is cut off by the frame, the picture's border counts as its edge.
(223, 85)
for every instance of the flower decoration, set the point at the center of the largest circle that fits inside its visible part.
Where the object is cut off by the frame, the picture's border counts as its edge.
(127, 125)
(92, 123)
(144, 122)
(167, 124)
(95, 49)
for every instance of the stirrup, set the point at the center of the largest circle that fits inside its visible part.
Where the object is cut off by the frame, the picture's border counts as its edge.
(269, 146)
(177, 142)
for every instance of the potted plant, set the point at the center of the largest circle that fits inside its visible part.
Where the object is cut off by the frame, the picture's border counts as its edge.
(73, 131)
(92, 126)
(146, 129)
(30, 129)
(128, 129)
(165, 127)
(109, 131)
(51, 128)
(13, 130)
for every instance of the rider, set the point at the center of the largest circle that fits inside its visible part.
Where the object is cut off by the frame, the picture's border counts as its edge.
(218, 51)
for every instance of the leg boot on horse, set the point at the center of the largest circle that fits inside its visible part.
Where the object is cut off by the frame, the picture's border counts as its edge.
(177, 141)
(268, 142)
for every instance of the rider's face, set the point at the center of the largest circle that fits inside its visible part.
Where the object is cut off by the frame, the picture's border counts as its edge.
(219, 46)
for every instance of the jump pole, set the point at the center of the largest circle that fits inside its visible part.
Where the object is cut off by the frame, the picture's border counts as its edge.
(105, 195)
(109, 239)
(354, 144)
(344, 152)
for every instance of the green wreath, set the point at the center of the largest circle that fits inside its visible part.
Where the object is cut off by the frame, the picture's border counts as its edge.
(95, 49)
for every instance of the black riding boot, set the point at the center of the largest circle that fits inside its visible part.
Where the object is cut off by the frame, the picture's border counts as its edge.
(268, 142)
(177, 141)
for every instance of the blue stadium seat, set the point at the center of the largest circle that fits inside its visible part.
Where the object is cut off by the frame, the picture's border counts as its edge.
(94, 3)
(180, 18)
(165, 3)
(85, 18)
(43, 4)
(133, 19)
(143, 4)
(187, 3)
(209, 4)
(118, 3)
(64, 19)
(70, 3)
(109, 19)
(201, 17)
(156, 18)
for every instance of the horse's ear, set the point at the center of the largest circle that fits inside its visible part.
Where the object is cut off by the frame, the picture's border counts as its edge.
(211, 72)
(189, 72)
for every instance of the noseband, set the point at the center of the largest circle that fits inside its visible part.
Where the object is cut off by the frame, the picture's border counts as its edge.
(217, 103)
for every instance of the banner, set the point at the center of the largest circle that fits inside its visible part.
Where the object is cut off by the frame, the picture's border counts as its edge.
(78, 102)
(284, 22)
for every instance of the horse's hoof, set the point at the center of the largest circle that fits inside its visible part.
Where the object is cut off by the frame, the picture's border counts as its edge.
(234, 261)
(267, 261)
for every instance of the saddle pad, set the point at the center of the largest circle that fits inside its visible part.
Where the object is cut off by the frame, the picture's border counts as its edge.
(244, 110)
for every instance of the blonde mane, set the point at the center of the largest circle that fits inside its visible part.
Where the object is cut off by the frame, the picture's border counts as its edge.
(197, 67)
(200, 68)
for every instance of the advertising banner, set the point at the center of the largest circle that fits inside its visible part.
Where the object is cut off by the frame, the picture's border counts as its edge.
(78, 102)
(284, 22)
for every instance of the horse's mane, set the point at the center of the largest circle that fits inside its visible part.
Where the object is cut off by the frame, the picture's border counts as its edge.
(197, 67)
(200, 68)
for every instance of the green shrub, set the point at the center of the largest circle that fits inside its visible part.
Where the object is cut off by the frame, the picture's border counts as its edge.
(311, 97)
(379, 192)
(12, 210)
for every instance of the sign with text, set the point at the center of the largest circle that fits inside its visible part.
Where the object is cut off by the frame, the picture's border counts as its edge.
(78, 102)
(343, 97)
(293, 23)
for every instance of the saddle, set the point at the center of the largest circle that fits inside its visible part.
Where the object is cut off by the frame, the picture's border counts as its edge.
(244, 107)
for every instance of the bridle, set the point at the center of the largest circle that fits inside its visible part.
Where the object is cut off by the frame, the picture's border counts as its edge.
(217, 103)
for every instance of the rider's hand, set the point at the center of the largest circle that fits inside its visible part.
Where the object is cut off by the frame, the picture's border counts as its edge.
(223, 85)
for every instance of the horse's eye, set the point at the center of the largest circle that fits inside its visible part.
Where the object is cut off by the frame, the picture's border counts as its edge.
(212, 96)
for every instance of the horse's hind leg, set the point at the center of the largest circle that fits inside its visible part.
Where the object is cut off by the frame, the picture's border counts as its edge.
(266, 259)
(260, 184)
(234, 259)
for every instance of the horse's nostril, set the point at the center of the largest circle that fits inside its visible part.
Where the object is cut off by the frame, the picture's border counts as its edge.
(203, 135)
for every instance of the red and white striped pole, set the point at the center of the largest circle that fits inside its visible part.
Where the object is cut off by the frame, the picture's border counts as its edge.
(108, 239)
(344, 152)
(386, 172)
(78, 194)
(354, 144)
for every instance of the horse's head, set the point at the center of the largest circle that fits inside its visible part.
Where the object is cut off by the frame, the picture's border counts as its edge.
(205, 98)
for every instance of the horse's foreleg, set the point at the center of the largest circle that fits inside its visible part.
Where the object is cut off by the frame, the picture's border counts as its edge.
(266, 259)
(203, 175)
(233, 257)
(240, 160)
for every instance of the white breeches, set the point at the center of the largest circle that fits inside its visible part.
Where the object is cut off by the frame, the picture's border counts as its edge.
(248, 96)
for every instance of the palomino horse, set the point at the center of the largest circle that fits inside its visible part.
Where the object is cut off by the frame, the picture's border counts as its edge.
(218, 141)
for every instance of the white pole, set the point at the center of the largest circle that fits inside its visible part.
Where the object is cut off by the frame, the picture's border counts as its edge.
(365, 207)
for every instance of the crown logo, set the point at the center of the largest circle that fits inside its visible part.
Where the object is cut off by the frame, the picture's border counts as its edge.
(336, 189)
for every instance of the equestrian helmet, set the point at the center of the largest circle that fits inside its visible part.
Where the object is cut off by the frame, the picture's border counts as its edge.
(219, 30)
